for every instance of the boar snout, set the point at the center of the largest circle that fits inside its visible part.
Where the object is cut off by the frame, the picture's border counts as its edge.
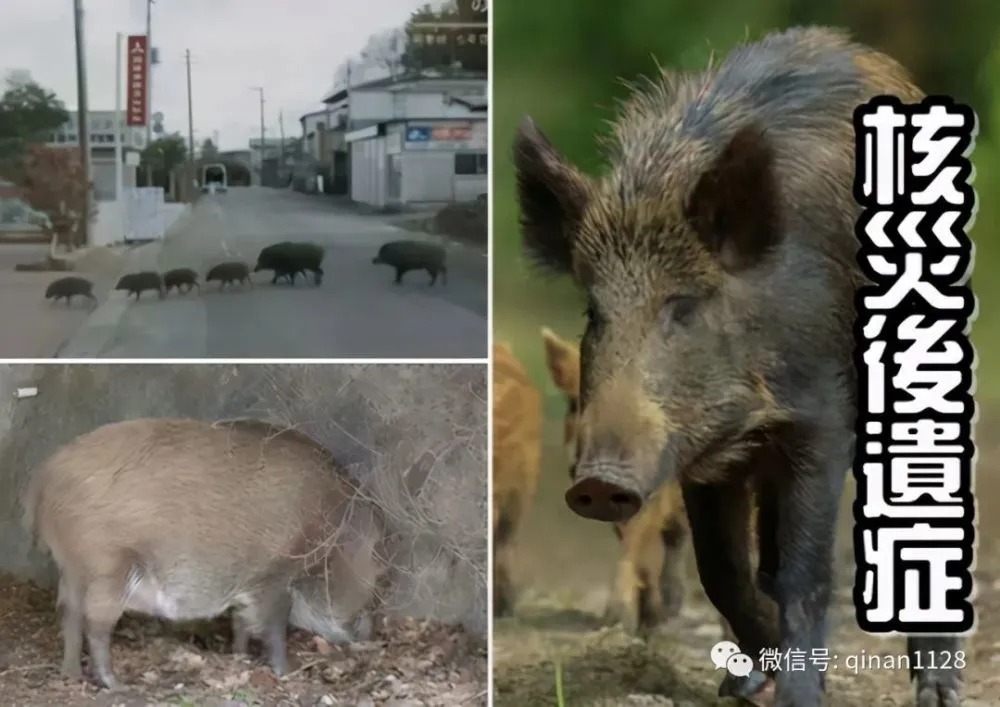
(604, 493)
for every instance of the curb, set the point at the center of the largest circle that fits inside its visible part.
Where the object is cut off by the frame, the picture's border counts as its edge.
(98, 330)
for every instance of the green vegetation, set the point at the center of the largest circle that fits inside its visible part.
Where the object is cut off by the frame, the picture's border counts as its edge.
(561, 60)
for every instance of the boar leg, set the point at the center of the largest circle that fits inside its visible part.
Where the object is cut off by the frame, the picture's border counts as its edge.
(808, 502)
(102, 609)
(70, 604)
(503, 585)
(266, 615)
(674, 536)
(399, 277)
(939, 686)
(624, 605)
(241, 635)
(434, 276)
(719, 517)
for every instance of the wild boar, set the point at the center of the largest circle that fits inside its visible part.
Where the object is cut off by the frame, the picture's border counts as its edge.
(180, 277)
(69, 287)
(414, 255)
(718, 258)
(517, 458)
(229, 273)
(288, 259)
(183, 519)
(138, 282)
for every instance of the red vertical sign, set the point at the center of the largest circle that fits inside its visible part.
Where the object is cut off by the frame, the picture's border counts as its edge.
(135, 88)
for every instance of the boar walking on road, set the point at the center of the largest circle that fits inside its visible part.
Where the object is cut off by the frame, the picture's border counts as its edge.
(288, 259)
(185, 278)
(718, 258)
(649, 584)
(230, 273)
(69, 287)
(182, 520)
(139, 282)
(414, 255)
(517, 458)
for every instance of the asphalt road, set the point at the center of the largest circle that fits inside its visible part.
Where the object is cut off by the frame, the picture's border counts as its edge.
(356, 313)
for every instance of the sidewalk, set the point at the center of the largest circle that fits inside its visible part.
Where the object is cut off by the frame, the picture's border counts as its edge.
(33, 327)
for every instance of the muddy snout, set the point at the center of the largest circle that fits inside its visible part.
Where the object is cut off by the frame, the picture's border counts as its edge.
(603, 492)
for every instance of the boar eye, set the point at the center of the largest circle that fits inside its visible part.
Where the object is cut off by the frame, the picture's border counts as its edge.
(678, 310)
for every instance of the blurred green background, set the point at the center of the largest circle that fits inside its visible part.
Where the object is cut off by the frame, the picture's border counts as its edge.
(561, 60)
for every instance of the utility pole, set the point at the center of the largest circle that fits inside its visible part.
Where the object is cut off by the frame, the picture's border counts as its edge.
(281, 146)
(149, 88)
(83, 119)
(119, 167)
(190, 176)
(260, 90)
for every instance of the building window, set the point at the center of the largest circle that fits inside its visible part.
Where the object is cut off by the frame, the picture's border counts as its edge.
(469, 163)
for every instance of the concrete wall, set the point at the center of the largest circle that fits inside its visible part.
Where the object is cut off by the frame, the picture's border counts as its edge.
(111, 226)
(382, 422)
(368, 172)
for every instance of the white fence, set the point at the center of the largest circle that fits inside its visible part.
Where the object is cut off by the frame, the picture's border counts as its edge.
(141, 215)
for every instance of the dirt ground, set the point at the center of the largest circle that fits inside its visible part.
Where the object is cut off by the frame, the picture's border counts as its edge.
(564, 585)
(408, 664)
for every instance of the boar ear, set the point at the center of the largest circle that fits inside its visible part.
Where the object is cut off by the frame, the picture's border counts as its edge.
(734, 207)
(563, 361)
(551, 194)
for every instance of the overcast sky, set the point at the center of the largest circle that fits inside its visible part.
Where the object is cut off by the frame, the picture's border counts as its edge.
(290, 47)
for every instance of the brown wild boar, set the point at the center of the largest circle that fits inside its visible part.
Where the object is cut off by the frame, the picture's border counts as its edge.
(649, 583)
(182, 520)
(517, 458)
(718, 257)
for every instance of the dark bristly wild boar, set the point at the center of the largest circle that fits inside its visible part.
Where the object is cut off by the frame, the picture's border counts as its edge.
(69, 287)
(414, 255)
(718, 257)
(230, 273)
(650, 581)
(185, 278)
(289, 258)
(517, 459)
(183, 519)
(138, 282)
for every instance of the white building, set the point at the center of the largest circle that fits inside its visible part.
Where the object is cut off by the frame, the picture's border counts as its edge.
(102, 149)
(265, 158)
(415, 139)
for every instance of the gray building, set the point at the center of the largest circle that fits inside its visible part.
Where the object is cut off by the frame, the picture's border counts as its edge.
(102, 149)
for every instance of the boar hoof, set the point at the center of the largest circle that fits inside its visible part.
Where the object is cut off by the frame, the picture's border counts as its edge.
(72, 670)
(602, 500)
(932, 693)
(756, 688)
(110, 682)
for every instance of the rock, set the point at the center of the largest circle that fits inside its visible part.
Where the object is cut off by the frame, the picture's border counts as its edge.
(262, 677)
(708, 631)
